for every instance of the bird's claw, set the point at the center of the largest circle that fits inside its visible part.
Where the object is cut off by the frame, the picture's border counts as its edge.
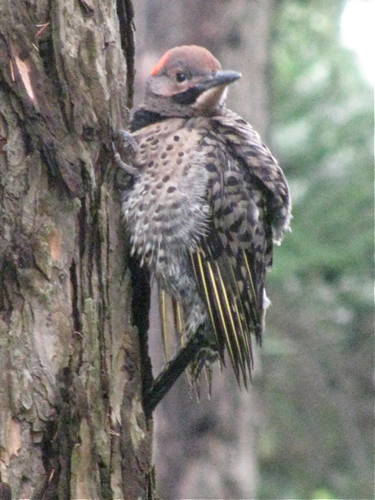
(124, 146)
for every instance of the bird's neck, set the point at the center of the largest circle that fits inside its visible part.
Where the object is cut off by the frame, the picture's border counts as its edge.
(144, 117)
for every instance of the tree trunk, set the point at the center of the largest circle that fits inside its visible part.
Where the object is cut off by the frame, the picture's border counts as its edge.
(71, 417)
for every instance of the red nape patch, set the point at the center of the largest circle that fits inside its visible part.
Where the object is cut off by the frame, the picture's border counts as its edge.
(194, 56)
(160, 65)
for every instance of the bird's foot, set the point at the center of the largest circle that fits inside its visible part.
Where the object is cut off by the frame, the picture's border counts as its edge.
(124, 146)
(203, 362)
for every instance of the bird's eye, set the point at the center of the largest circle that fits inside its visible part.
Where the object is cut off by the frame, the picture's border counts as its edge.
(180, 77)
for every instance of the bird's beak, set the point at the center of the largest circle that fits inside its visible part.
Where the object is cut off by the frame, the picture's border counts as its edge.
(219, 78)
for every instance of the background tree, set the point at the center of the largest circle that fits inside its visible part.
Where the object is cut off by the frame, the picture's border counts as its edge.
(317, 386)
(71, 417)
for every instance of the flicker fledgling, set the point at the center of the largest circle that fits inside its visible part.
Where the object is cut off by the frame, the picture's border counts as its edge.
(205, 203)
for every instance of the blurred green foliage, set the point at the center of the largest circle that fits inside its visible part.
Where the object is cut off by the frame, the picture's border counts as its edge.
(318, 359)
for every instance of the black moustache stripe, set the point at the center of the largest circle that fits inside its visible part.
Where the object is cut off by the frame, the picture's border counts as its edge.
(189, 96)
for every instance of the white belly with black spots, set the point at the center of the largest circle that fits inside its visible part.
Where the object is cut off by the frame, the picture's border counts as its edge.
(166, 210)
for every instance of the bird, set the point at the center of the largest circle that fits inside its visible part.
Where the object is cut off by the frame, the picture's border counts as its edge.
(205, 203)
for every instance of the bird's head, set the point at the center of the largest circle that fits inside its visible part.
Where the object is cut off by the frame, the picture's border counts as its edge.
(188, 81)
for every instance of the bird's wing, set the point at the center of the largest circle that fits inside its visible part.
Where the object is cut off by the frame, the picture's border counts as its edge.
(231, 261)
(246, 145)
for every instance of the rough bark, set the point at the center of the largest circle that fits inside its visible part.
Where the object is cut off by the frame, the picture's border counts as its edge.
(71, 417)
(208, 449)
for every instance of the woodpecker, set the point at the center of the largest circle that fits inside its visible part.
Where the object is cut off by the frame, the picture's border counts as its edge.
(205, 202)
